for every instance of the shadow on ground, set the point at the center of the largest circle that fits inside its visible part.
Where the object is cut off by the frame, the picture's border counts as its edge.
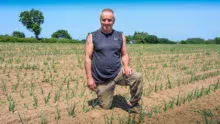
(118, 102)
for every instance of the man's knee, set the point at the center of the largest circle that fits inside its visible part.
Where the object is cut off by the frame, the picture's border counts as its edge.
(138, 76)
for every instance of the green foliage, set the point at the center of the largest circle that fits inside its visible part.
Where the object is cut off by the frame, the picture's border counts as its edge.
(165, 41)
(193, 41)
(33, 40)
(151, 39)
(139, 37)
(143, 37)
(129, 38)
(32, 20)
(210, 41)
(18, 34)
(217, 40)
(61, 34)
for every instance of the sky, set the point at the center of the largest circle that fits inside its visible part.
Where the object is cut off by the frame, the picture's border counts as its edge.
(175, 20)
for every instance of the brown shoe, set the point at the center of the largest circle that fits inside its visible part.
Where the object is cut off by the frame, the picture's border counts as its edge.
(135, 109)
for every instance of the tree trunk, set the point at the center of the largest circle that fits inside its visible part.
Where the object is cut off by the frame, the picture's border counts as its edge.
(36, 36)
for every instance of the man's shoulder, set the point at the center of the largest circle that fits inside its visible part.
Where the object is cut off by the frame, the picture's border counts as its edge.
(96, 31)
(119, 32)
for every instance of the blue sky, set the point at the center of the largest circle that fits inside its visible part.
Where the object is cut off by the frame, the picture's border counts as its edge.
(176, 20)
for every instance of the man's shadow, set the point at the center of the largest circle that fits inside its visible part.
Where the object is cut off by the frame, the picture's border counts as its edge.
(118, 102)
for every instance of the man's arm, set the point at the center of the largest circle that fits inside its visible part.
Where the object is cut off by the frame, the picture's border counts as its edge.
(88, 62)
(125, 58)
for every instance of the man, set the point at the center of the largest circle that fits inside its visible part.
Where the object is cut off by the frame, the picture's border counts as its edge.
(104, 51)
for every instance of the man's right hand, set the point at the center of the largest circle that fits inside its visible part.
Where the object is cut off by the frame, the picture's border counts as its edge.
(91, 84)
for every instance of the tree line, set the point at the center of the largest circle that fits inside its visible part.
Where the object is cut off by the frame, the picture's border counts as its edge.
(33, 19)
(143, 37)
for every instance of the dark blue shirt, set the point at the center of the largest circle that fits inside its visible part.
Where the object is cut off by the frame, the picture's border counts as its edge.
(106, 57)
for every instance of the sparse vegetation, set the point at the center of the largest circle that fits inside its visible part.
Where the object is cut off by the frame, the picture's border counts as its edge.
(51, 78)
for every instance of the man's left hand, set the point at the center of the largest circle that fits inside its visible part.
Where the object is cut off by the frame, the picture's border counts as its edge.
(127, 71)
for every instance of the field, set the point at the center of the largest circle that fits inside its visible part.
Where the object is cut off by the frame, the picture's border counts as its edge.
(45, 83)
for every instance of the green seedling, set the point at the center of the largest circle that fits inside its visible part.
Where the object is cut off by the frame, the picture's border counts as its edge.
(43, 119)
(57, 117)
(57, 96)
(71, 109)
(47, 98)
(35, 102)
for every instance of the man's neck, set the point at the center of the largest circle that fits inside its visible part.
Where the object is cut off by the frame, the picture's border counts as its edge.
(107, 32)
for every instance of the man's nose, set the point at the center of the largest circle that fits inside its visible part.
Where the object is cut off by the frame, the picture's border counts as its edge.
(107, 22)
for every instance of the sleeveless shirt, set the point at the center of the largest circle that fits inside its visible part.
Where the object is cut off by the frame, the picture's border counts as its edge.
(106, 56)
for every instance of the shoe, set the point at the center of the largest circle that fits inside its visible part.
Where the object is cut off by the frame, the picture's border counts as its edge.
(135, 109)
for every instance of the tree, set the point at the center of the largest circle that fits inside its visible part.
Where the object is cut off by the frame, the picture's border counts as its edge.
(128, 38)
(183, 42)
(195, 41)
(18, 34)
(165, 41)
(217, 40)
(210, 41)
(61, 34)
(151, 39)
(32, 20)
(139, 37)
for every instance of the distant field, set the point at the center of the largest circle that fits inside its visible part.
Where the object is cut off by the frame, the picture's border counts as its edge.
(45, 83)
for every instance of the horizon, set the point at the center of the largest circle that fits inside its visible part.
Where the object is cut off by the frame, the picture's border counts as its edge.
(175, 20)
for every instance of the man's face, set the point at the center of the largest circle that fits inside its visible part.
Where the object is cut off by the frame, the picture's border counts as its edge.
(107, 21)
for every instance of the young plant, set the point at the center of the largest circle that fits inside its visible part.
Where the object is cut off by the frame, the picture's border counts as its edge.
(207, 114)
(150, 114)
(71, 109)
(161, 86)
(57, 96)
(178, 101)
(11, 103)
(68, 85)
(31, 91)
(43, 119)
(108, 120)
(171, 103)
(47, 98)
(142, 114)
(94, 103)
(4, 87)
(82, 92)
(155, 88)
(208, 90)
(57, 117)
(12, 106)
(35, 102)
(165, 107)
(169, 84)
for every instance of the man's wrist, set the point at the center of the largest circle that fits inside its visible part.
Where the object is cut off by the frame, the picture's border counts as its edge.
(89, 78)
(125, 66)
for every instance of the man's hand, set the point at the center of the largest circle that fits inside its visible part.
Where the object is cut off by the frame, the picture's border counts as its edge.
(91, 84)
(127, 71)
